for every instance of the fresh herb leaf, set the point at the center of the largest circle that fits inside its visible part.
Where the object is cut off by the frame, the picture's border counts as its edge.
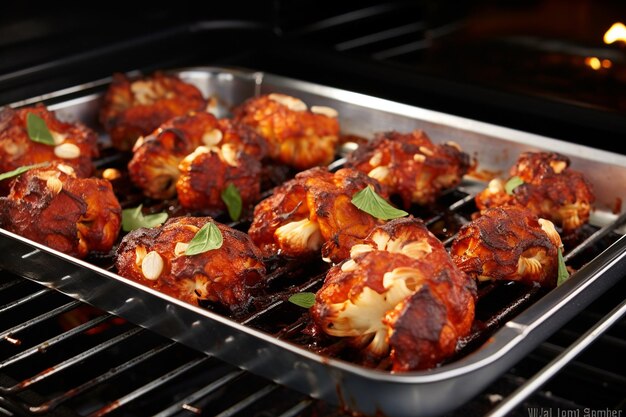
(368, 201)
(512, 184)
(563, 274)
(303, 299)
(231, 197)
(21, 170)
(133, 218)
(207, 238)
(38, 130)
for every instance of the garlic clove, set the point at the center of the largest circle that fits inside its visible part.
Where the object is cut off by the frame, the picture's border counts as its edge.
(180, 248)
(67, 151)
(290, 102)
(376, 159)
(324, 110)
(152, 266)
(54, 185)
(212, 137)
(426, 151)
(380, 173)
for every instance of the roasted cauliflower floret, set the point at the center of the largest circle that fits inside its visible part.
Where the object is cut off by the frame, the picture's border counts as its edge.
(154, 166)
(207, 172)
(411, 166)
(227, 276)
(74, 144)
(299, 236)
(400, 295)
(313, 211)
(52, 206)
(508, 243)
(549, 188)
(135, 108)
(297, 136)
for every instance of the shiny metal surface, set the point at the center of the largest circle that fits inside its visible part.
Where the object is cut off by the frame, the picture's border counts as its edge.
(554, 367)
(357, 388)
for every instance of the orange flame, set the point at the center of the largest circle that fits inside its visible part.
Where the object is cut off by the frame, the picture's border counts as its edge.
(595, 63)
(617, 32)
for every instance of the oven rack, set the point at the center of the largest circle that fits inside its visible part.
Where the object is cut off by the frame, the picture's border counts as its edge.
(24, 345)
(250, 346)
(209, 387)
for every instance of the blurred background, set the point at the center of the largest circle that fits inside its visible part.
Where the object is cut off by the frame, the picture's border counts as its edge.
(560, 63)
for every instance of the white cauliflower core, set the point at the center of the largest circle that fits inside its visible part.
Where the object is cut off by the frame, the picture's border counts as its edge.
(300, 234)
(363, 315)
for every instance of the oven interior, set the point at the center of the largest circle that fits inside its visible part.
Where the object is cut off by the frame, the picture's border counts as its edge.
(61, 357)
(70, 359)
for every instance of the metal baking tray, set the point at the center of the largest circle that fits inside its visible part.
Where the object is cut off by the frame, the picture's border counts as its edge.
(354, 387)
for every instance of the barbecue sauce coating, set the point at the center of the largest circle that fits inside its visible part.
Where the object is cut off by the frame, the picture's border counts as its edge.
(399, 295)
(17, 149)
(72, 215)
(296, 136)
(226, 276)
(135, 108)
(551, 190)
(508, 243)
(207, 172)
(420, 346)
(411, 166)
(312, 211)
(198, 156)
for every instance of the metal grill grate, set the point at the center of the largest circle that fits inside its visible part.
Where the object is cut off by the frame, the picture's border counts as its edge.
(201, 385)
(101, 365)
(105, 366)
(497, 301)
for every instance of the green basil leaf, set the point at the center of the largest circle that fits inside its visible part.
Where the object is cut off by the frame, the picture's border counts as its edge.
(207, 238)
(563, 274)
(21, 170)
(38, 130)
(231, 197)
(303, 299)
(133, 218)
(512, 184)
(368, 201)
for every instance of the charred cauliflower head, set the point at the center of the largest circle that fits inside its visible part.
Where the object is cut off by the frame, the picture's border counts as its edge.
(399, 295)
(52, 206)
(313, 211)
(411, 166)
(548, 187)
(207, 172)
(154, 166)
(226, 276)
(297, 136)
(134, 108)
(74, 144)
(508, 243)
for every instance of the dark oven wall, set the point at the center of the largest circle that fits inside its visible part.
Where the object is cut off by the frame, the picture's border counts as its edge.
(525, 64)
(537, 65)
(61, 44)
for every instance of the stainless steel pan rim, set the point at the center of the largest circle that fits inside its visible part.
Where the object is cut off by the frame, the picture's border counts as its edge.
(334, 380)
(512, 332)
